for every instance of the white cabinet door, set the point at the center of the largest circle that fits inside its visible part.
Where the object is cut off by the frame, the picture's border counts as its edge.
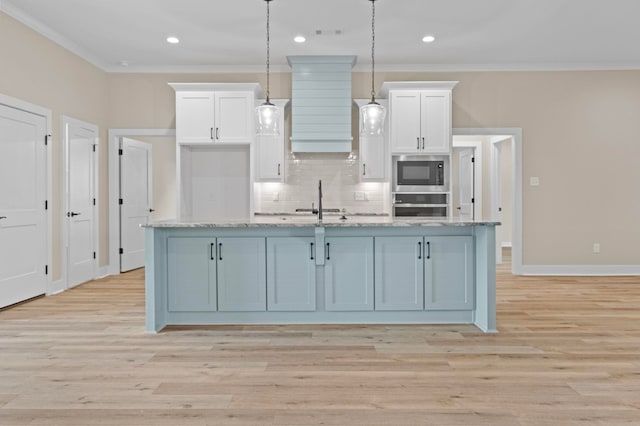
(242, 271)
(404, 122)
(195, 117)
(348, 274)
(270, 150)
(399, 273)
(435, 124)
(372, 157)
(449, 273)
(233, 117)
(291, 274)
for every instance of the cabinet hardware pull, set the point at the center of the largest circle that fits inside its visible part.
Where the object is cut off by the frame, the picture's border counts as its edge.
(423, 144)
(328, 257)
(428, 250)
(217, 133)
(311, 250)
(212, 256)
(278, 169)
(418, 141)
(364, 169)
(220, 251)
(211, 133)
(419, 249)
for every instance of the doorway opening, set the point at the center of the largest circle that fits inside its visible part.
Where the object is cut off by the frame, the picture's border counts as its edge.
(158, 194)
(491, 186)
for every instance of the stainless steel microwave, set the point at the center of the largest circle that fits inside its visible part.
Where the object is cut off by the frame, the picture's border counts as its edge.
(420, 173)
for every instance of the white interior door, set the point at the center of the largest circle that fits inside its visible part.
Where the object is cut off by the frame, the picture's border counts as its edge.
(466, 184)
(135, 197)
(23, 182)
(80, 140)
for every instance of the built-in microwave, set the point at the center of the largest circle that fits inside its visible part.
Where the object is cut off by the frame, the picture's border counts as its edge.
(420, 173)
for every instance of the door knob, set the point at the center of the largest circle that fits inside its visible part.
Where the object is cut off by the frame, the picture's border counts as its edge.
(3, 217)
(72, 214)
(151, 210)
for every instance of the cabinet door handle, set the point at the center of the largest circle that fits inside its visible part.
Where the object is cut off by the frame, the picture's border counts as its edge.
(364, 169)
(219, 251)
(311, 250)
(328, 257)
(419, 249)
(428, 250)
(211, 249)
(217, 133)
(423, 144)
(418, 142)
(211, 133)
(278, 169)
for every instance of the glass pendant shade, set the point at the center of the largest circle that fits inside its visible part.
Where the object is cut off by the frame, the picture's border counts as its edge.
(373, 115)
(268, 119)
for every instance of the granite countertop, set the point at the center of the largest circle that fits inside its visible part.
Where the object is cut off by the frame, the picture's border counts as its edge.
(306, 220)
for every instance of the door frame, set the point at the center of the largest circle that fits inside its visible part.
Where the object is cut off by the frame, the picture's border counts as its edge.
(51, 287)
(114, 187)
(516, 135)
(64, 205)
(477, 173)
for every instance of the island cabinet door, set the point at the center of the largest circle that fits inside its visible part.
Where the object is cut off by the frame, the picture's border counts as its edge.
(449, 273)
(348, 274)
(241, 274)
(399, 273)
(191, 274)
(291, 274)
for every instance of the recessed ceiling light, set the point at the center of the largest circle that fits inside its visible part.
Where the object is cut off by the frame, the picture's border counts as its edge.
(299, 39)
(428, 39)
(173, 40)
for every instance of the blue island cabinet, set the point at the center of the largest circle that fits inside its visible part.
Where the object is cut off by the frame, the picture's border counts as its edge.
(348, 273)
(399, 273)
(241, 274)
(291, 274)
(449, 273)
(191, 274)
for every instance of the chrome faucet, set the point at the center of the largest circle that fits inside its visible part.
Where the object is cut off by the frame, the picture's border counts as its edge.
(320, 200)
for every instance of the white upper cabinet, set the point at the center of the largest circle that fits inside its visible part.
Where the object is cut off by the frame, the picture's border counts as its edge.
(270, 149)
(215, 112)
(373, 149)
(420, 116)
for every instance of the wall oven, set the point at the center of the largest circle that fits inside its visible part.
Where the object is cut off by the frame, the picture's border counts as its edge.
(420, 173)
(421, 205)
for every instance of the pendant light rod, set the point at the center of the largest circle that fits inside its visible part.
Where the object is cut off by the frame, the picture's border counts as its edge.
(268, 52)
(373, 48)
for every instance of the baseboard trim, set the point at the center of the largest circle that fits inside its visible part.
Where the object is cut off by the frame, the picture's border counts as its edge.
(103, 272)
(581, 270)
(57, 287)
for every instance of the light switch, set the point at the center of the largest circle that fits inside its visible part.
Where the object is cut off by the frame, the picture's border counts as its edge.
(534, 181)
(359, 196)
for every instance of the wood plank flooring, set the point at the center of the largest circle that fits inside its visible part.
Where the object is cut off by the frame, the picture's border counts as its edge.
(568, 353)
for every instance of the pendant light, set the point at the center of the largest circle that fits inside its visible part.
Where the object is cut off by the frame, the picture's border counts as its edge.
(267, 114)
(373, 114)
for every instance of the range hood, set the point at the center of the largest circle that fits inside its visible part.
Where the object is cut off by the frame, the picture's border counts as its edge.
(321, 103)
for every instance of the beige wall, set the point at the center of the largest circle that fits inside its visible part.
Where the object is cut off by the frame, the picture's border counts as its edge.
(40, 72)
(575, 125)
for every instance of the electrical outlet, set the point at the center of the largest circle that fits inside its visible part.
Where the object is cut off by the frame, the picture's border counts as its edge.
(359, 196)
(276, 196)
(596, 247)
(534, 181)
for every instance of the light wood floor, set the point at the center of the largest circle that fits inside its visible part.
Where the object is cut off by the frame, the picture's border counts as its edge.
(568, 352)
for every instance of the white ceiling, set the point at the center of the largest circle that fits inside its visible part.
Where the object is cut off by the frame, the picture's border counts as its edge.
(230, 35)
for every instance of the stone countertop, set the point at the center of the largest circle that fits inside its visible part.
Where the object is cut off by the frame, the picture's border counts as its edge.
(294, 220)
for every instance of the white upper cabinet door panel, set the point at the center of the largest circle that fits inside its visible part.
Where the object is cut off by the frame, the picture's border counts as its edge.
(234, 117)
(436, 122)
(405, 121)
(195, 117)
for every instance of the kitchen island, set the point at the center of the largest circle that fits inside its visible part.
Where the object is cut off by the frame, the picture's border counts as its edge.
(297, 270)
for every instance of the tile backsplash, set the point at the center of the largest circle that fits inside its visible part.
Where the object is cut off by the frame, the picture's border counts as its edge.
(341, 186)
